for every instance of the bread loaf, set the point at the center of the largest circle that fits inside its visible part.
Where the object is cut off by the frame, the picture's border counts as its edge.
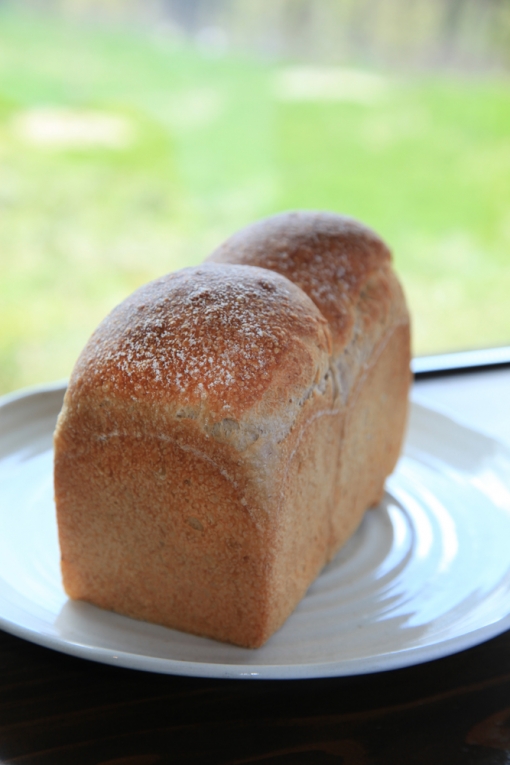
(345, 268)
(227, 426)
(195, 452)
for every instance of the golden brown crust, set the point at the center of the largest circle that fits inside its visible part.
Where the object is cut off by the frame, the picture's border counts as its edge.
(329, 256)
(345, 268)
(180, 532)
(215, 334)
(175, 492)
(373, 427)
(220, 440)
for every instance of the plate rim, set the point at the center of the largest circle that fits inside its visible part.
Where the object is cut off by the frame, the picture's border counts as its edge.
(388, 661)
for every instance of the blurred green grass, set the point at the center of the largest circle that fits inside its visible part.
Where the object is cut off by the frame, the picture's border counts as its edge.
(214, 147)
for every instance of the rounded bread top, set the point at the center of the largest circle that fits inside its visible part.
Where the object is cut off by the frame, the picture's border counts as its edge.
(329, 256)
(212, 337)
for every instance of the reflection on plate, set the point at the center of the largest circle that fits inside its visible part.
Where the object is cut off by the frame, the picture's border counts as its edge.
(427, 573)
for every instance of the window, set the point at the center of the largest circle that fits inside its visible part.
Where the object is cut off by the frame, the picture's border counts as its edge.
(134, 137)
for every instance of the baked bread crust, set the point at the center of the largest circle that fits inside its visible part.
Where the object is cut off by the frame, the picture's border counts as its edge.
(227, 426)
(194, 454)
(330, 257)
(345, 268)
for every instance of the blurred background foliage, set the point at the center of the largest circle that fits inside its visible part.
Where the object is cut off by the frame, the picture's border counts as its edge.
(135, 136)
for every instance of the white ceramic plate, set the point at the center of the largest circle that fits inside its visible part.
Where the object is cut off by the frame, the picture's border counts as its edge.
(426, 575)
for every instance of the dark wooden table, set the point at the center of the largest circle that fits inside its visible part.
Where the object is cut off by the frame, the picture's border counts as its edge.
(59, 710)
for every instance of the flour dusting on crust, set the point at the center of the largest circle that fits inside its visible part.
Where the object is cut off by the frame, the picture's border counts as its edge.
(215, 332)
(329, 256)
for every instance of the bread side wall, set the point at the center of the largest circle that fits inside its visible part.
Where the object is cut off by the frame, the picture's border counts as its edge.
(162, 522)
(374, 428)
(157, 526)
(307, 505)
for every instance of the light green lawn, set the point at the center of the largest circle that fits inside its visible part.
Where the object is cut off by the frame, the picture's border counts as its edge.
(211, 146)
